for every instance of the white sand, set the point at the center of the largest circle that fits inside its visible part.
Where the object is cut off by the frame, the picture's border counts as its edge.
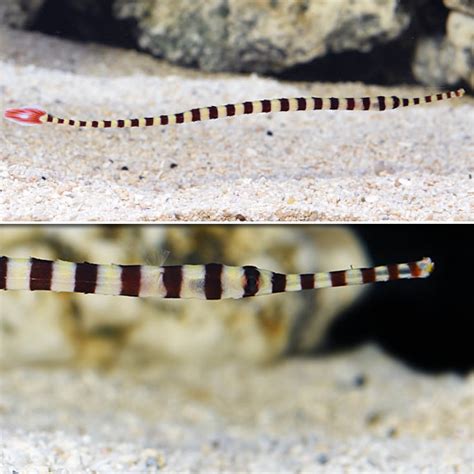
(403, 165)
(301, 415)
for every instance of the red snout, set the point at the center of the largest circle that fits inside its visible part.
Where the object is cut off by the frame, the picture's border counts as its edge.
(25, 116)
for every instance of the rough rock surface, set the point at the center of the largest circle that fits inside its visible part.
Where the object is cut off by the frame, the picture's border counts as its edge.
(460, 29)
(450, 59)
(19, 13)
(260, 35)
(104, 329)
(433, 62)
(353, 412)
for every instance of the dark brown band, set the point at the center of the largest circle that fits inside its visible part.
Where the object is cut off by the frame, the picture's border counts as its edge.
(3, 272)
(85, 277)
(252, 280)
(278, 282)
(131, 280)
(213, 281)
(173, 280)
(41, 274)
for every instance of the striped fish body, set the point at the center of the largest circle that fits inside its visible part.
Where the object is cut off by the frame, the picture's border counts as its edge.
(106, 330)
(212, 281)
(31, 116)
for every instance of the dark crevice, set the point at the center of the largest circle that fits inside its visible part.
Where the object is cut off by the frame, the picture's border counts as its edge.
(387, 64)
(87, 21)
(428, 17)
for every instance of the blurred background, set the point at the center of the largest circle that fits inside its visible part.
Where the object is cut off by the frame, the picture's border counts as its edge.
(426, 324)
(379, 42)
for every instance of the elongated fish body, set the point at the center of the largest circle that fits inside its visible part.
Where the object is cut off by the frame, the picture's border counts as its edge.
(34, 116)
(213, 281)
(47, 326)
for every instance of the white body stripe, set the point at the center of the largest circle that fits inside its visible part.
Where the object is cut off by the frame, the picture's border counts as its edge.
(239, 109)
(151, 283)
(404, 271)
(293, 105)
(109, 280)
(326, 103)
(188, 116)
(18, 276)
(381, 274)
(204, 112)
(354, 277)
(293, 282)
(232, 282)
(275, 105)
(388, 102)
(322, 280)
(64, 276)
(193, 281)
(359, 104)
(221, 111)
(257, 107)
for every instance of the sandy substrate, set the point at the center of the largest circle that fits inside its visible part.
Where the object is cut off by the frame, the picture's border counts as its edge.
(403, 165)
(359, 410)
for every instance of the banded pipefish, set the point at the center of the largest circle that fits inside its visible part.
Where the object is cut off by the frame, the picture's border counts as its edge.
(34, 116)
(212, 281)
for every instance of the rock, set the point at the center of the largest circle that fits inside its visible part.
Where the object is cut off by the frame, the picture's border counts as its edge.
(447, 60)
(19, 13)
(466, 6)
(259, 35)
(460, 30)
(433, 62)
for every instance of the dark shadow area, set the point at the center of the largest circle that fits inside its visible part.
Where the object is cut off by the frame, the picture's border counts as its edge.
(429, 324)
(386, 64)
(88, 21)
(430, 17)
